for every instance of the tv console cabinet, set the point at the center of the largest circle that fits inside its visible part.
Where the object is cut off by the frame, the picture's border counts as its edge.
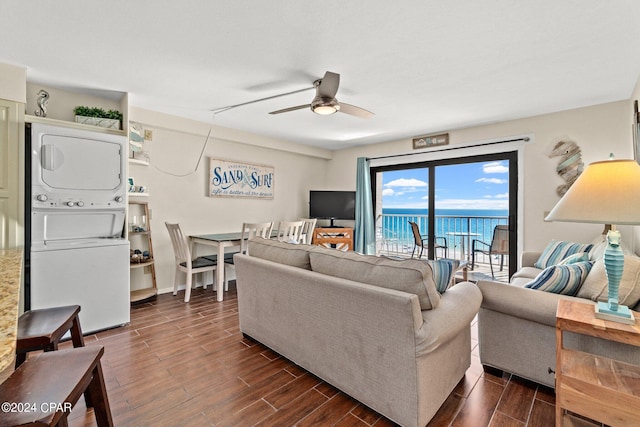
(334, 237)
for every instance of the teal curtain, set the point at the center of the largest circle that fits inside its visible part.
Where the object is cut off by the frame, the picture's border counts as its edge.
(365, 237)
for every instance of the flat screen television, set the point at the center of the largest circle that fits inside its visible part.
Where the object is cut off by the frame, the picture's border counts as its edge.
(332, 205)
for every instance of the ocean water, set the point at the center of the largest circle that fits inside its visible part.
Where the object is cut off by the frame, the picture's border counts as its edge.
(478, 222)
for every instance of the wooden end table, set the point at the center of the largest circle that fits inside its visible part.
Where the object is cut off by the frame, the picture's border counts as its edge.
(596, 387)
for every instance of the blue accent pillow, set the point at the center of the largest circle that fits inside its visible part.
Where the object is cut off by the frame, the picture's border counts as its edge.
(558, 250)
(561, 279)
(572, 259)
(443, 272)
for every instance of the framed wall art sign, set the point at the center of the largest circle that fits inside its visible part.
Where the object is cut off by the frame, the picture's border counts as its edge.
(236, 179)
(430, 141)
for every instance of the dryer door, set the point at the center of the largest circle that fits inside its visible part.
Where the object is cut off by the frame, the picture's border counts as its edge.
(72, 163)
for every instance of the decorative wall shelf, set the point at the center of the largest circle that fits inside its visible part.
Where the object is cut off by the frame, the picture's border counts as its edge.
(45, 120)
(138, 162)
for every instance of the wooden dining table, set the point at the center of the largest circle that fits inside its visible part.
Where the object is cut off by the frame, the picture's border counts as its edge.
(222, 242)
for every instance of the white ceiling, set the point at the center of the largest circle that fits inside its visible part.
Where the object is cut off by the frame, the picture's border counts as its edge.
(422, 67)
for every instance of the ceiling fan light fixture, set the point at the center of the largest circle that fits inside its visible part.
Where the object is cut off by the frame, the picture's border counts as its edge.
(325, 110)
(325, 102)
(324, 106)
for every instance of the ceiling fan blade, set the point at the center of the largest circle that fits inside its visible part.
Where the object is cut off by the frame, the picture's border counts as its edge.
(291, 78)
(355, 111)
(286, 110)
(329, 85)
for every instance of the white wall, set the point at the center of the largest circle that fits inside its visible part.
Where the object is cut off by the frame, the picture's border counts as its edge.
(175, 148)
(598, 130)
(12, 83)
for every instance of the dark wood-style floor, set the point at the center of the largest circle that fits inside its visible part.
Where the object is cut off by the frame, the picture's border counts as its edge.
(181, 364)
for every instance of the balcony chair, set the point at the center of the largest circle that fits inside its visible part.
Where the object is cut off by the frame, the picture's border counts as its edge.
(387, 241)
(289, 231)
(185, 264)
(499, 246)
(422, 242)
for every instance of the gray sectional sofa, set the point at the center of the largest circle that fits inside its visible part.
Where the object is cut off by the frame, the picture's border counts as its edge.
(375, 328)
(516, 325)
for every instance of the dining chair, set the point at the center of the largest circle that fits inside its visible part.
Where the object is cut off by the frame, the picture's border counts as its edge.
(254, 229)
(306, 234)
(184, 262)
(249, 231)
(422, 241)
(499, 246)
(289, 231)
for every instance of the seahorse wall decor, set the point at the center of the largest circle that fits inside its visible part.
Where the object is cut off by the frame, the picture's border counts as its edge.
(570, 164)
(42, 101)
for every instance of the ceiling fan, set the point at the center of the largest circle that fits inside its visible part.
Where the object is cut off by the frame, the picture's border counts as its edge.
(325, 101)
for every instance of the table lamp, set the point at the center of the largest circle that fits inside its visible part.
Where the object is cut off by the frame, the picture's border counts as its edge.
(607, 192)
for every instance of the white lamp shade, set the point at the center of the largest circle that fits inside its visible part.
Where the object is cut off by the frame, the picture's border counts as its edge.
(607, 192)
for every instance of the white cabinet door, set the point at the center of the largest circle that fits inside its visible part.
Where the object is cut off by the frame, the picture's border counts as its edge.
(11, 174)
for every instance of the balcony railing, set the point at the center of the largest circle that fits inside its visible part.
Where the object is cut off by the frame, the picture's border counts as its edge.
(394, 235)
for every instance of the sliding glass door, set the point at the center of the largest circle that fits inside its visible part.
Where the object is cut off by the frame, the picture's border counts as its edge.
(404, 198)
(456, 203)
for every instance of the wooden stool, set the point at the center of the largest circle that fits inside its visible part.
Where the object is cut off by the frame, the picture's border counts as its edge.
(44, 389)
(42, 330)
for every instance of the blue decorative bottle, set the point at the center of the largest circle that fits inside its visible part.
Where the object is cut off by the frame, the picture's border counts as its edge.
(614, 265)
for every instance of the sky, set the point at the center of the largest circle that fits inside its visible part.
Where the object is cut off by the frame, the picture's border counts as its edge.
(482, 185)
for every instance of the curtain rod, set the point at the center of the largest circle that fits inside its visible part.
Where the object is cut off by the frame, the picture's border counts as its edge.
(525, 139)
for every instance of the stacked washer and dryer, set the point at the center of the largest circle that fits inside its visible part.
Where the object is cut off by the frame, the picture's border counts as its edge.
(76, 208)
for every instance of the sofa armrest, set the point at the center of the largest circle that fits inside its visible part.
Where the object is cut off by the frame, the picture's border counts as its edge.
(458, 306)
(530, 304)
(528, 258)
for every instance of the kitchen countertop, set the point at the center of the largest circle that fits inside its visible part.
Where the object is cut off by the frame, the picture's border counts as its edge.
(10, 277)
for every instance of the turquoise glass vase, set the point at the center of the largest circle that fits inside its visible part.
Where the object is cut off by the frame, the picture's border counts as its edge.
(614, 265)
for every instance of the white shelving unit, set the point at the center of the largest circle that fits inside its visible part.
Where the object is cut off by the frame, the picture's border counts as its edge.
(141, 237)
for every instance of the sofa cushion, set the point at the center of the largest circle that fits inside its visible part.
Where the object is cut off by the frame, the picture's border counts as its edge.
(527, 273)
(412, 276)
(561, 279)
(595, 286)
(521, 282)
(600, 245)
(558, 250)
(444, 272)
(280, 252)
(596, 252)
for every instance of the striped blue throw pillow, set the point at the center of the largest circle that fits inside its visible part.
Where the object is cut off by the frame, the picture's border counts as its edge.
(558, 250)
(443, 272)
(561, 279)
(572, 259)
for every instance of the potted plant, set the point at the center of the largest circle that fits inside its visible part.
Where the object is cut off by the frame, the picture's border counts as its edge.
(97, 116)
